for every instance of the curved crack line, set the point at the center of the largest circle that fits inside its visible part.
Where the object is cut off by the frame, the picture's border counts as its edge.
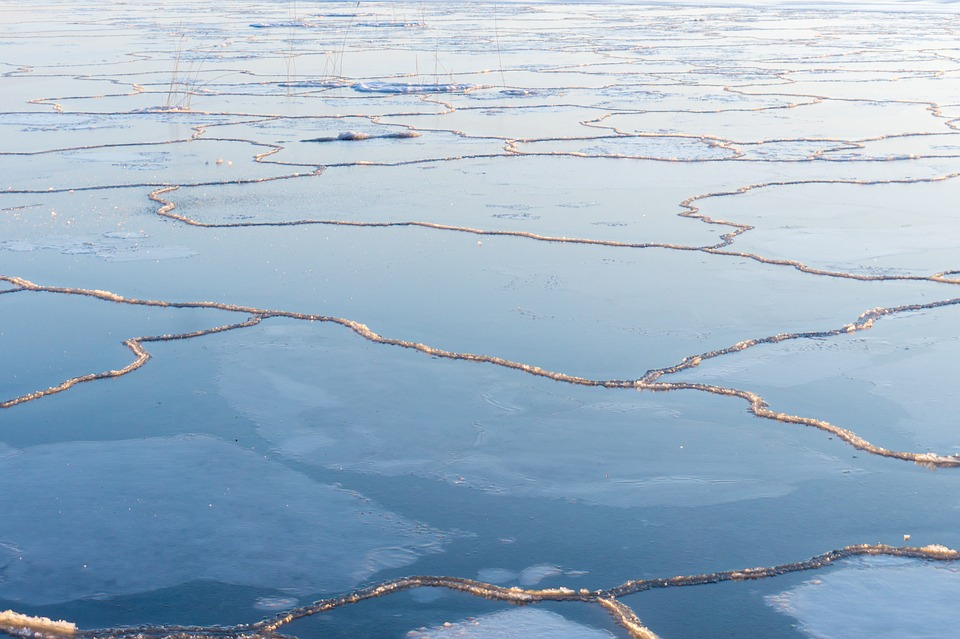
(650, 381)
(167, 208)
(759, 407)
(91, 147)
(317, 170)
(26, 626)
(135, 344)
(693, 211)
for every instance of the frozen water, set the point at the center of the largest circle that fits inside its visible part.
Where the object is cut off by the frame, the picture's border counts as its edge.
(873, 228)
(528, 623)
(898, 374)
(404, 87)
(876, 599)
(114, 246)
(462, 237)
(487, 429)
(153, 513)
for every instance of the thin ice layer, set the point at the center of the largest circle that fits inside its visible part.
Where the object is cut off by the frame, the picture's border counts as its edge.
(525, 623)
(95, 519)
(326, 398)
(893, 383)
(906, 228)
(877, 598)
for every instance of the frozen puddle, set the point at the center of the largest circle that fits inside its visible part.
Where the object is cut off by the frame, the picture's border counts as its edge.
(877, 598)
(153, 513)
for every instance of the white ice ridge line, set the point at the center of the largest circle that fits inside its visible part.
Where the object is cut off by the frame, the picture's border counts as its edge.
(650, 381)
(42, 628)
(692, 211)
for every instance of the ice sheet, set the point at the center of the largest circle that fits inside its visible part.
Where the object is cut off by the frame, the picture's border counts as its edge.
(896, 374)
(111, 518)
(583, 192)
(875, 598)
(322, 400)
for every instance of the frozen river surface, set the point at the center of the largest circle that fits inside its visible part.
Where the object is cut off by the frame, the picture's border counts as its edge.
(585, 307)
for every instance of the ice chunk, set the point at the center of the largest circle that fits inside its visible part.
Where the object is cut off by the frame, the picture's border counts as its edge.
(282, 24)
(109, 518)
(354, 136)
(406, 87)
(34, 627)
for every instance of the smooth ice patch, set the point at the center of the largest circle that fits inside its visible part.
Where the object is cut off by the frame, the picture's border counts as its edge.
(528, 577)
(535, 574)
(524, 623)
(496, 575)
(99, 519)
(895, 379)
(877, 598)
(328, 399)
(883, 229)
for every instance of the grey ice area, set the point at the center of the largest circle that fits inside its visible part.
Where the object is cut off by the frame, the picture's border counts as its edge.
(876, 598)
(321, 398)
(112, 518)
(523, 623)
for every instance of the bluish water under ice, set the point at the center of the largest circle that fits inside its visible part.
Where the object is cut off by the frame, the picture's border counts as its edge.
(300, 297)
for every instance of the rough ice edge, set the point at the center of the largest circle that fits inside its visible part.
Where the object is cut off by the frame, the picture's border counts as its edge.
(355, 136)
(405, 87)
(16, 624)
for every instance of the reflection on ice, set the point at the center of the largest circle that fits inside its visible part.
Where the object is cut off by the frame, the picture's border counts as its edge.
(322, 399)
(111, 518)
(877, 598)
(898, 375)
(524, 623)
(522, 181)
